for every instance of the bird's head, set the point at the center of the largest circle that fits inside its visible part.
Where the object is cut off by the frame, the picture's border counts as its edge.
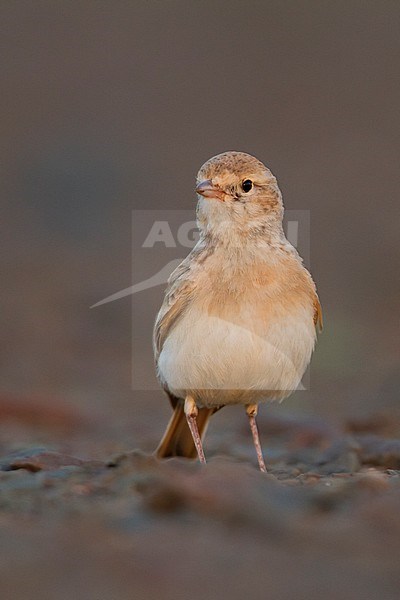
(237, 192)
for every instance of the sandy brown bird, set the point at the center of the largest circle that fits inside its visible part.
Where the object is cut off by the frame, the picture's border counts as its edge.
(239, 317)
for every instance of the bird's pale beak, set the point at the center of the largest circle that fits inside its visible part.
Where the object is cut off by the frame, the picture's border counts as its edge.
(209, 190)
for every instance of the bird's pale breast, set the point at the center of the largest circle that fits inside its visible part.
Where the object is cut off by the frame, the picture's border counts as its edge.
(246, 339)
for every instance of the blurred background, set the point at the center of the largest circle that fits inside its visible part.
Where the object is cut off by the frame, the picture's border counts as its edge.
(108, 107)
(111, 107)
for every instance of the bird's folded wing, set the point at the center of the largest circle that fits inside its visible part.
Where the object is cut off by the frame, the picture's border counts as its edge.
(318, 321)
(177, 297)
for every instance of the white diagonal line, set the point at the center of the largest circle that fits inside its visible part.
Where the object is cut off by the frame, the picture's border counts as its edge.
(156, 279)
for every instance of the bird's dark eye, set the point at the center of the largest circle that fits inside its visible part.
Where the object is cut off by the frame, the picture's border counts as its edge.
(247, 185)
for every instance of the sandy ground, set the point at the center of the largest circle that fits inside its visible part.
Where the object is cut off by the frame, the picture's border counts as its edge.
(79, 519)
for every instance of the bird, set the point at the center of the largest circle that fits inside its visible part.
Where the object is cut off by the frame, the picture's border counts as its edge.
(239, 319)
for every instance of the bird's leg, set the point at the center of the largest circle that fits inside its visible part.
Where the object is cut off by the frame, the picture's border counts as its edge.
(251, 410)
(191, 412)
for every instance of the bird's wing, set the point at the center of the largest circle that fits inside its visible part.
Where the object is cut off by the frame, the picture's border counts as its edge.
(318, 321)
(177, 297)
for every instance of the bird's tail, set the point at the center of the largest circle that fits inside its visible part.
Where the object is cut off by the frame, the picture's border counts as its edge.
(177, 439)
